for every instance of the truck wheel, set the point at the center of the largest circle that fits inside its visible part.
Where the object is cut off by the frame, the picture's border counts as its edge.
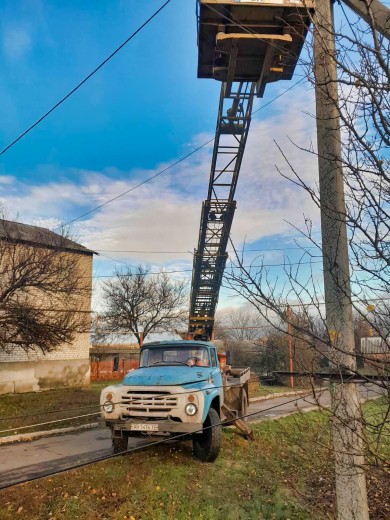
(244, 405)
(206, 445)
(119, 444)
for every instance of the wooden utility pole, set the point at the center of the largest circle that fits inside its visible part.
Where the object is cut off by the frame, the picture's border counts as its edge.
(346, 419)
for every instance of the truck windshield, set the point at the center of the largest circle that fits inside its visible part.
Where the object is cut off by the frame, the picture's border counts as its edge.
(175, 356)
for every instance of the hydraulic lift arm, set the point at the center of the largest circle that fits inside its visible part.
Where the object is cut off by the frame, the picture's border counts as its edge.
(234, 116)
(244, 44)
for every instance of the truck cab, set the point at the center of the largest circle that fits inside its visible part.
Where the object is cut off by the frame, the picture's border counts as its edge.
(178, 389)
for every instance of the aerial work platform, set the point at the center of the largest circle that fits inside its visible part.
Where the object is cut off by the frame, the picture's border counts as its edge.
(245, 44)
(251, 40)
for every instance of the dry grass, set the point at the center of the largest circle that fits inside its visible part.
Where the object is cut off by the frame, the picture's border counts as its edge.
(41, 407)
(285, 473)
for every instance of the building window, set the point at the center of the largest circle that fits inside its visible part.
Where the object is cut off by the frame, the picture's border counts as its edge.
(116, 363)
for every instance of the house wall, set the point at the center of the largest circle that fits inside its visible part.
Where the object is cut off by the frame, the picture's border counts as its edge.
(103, 369)
(69, 365)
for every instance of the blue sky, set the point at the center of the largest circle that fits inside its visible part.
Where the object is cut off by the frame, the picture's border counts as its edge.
(142, 111)
(148, 91)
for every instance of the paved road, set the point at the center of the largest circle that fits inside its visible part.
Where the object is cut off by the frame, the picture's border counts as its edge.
(19, 462)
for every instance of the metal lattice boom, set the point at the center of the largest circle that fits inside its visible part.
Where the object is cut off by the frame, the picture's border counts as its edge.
(210, 257)
(245, 44)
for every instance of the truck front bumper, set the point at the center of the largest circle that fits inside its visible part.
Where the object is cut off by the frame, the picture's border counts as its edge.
(161, 426)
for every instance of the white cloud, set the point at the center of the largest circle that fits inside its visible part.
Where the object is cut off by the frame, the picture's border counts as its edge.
(16, 43)
(6, 180)
(164, 214)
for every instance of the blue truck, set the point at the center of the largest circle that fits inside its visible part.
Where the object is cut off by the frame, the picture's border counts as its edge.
(178, 389)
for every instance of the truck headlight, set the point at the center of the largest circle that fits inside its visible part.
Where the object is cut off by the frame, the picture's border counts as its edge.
(108, 406)
(191, 409)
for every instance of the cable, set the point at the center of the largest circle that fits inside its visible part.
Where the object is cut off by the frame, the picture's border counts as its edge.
(171, 165)
(190, 253)
(280, 95)
(91, 406)
(48, 422)
(236, 22)
(86, 78)
(361, 301)
(137, 448)
(14, 417)
(285, 264)
(137, 185)
(120, 402)
(96, 405)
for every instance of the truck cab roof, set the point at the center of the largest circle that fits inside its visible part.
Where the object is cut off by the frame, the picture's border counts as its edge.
(177, 343)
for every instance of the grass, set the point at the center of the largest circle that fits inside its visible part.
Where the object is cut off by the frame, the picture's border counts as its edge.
(285, 473)
(50, 405)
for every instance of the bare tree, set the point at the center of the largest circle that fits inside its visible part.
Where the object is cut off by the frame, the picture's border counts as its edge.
(220, 330)
(243, 332)
(44, 291)
(245, 324)
(361, 104)
(274, 355)
(138, 302)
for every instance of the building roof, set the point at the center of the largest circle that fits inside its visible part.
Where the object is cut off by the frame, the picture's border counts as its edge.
(178, 343)
(112, 348)
(25, 233)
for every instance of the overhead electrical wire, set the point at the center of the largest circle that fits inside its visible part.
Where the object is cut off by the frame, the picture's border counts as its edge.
(54, 421)
(89, 76)
(94, 72)
(88, 407)
(301, 248)
(138, 185)
(149, 445)
(361, 301)
(236, 23)
(170, 166)
(286, 264)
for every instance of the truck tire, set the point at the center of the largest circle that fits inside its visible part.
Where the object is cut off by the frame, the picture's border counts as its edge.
(119, 444)
(244, 406)
(206, 445)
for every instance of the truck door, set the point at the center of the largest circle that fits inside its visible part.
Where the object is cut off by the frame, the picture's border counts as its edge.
(216, 372)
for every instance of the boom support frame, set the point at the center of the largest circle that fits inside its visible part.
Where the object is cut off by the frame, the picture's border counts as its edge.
(234, 117)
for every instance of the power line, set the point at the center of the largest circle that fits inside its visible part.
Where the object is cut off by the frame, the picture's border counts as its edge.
(86, 78)
(138, 448)
(97, 405)
(190, 253)
(138, 185)
(48, 422)
(287, 264)
(315, 304)
(236, 22)
(280, 95)
(231, 266)
(170, 165)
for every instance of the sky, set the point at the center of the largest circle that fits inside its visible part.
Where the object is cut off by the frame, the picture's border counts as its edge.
(141, 112)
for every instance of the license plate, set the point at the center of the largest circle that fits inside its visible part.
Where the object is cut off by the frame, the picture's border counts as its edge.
(144, 427)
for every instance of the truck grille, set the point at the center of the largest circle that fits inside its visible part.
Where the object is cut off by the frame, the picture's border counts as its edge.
(149, 402)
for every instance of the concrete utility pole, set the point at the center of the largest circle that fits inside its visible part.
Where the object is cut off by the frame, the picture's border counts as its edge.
(346, 422)
(375, 12)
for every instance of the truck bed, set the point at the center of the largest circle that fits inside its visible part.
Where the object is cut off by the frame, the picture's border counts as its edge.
(238, 375)
(236, 381)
